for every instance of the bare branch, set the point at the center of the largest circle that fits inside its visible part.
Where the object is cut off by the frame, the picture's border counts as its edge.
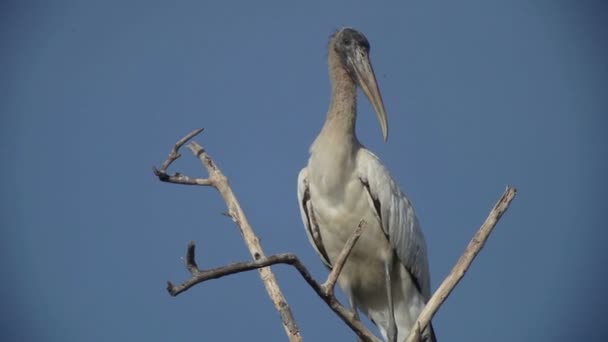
(217, 180)
(199, 276)
(174, 154)
(179, 178)
(462, 265)
(330, 283)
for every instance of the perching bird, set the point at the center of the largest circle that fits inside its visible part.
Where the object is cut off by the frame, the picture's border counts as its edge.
(386, 275)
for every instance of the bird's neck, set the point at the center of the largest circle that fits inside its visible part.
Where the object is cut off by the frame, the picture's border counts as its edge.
(336, 145)
(342, 114)
(333, 153)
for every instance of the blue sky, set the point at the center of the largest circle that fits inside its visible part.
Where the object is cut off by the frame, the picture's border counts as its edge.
(479, 94)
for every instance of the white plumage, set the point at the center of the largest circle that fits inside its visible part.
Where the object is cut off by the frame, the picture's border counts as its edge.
(345, 183)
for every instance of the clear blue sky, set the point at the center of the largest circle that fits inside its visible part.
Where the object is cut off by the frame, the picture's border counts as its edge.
(480, 94)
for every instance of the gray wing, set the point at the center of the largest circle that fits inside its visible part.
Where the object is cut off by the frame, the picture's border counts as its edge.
(308, 217)
(398, 218)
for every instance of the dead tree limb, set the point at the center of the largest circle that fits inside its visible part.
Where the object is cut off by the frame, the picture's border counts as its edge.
(217, 180)
(325, 290)
(178, 178)
(462, 265)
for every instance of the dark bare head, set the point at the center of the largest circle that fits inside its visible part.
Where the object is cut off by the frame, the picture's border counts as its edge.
(351, 48)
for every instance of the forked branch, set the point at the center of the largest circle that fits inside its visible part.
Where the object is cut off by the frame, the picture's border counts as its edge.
(325, 290)
(218, 181)
(178, 178)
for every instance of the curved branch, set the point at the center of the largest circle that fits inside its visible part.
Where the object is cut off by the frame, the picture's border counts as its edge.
(325, 290)
(174, 154)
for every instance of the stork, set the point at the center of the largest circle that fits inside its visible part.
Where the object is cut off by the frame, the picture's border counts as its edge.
(386, 276)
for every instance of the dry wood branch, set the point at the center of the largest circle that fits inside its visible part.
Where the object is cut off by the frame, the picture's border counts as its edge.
(179, 178)
(220, 182)
(330, 283)
(463, 264)
(199, 276)
(217, 180)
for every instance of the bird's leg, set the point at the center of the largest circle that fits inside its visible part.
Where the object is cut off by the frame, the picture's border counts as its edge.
(392, 326)
(351, 302)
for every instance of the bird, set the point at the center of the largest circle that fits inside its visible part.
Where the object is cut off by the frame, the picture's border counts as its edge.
(386, 276)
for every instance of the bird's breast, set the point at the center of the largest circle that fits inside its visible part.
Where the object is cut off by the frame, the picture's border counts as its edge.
(338, 213)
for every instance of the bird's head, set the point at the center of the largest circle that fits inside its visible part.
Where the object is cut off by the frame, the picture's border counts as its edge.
(352, 48)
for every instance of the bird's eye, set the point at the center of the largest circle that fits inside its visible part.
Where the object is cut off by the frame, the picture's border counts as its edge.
(347, 41)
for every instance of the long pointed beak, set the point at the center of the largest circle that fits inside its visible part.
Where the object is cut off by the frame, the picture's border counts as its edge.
(367, 82)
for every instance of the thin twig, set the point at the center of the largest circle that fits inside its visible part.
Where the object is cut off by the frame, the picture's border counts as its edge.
(174, 154)
(330, 283)
(199, 276)
(462, 265)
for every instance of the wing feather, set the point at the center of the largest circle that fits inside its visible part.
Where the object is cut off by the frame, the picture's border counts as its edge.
(398, 218)
(308, 217)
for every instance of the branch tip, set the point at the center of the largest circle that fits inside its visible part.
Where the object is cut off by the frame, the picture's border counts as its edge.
(463, 264)
(190, 258)
(330, 283)
(171, 289)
